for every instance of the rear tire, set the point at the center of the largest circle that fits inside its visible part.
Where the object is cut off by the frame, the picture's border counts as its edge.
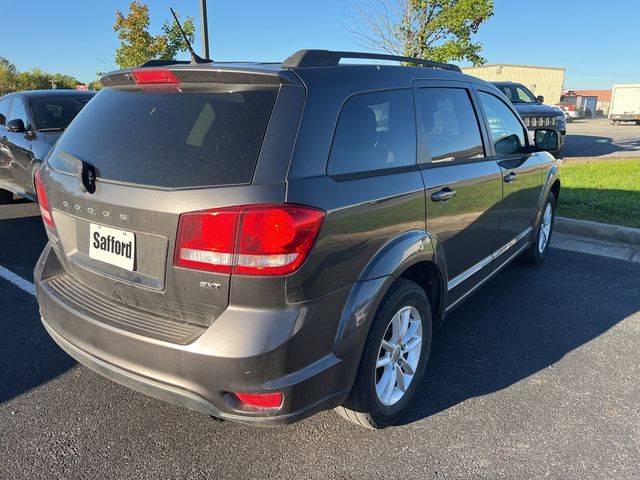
(5, 196)
(537, 252)
(394, 359)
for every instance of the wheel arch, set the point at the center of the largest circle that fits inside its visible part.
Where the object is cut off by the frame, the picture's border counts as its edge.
(415, 255)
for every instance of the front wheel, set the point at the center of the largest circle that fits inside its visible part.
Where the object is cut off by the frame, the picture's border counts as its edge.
(394, 359)
(537, 252)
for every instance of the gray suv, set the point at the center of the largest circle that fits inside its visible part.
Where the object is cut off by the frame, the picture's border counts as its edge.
(259, 242)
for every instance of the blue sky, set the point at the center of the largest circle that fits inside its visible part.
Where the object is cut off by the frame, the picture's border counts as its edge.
(595, 41)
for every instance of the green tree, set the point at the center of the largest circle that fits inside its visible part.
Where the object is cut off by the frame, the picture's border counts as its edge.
(137, 45)
(34, 79)
(8, 76)
(95, 85)
(438, 30)
(61, 80)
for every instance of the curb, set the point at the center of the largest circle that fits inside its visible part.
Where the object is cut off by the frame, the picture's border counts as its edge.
(596, 230)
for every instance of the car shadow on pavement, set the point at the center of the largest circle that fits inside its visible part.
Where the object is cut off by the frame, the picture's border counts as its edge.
(28, 356)
(522, 322)
(596, 146)
(22, 241)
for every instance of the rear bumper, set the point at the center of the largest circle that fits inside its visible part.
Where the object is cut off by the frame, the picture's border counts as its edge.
(227, 357)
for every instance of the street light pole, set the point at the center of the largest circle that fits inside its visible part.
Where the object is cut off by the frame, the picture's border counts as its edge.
(205, 28)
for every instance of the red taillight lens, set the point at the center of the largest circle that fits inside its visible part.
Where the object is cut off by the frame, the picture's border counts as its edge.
(206, 240)
(250, 240)
(275, 239)
(155, 76)
(261, 400)
(43, 201)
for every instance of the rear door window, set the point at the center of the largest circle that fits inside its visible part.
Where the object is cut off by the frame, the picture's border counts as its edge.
(449, 124)
(169, 139)
(375, 131)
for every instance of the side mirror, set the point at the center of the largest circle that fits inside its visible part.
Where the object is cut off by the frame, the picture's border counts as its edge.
(540, 98)
(546, 140)
(16, 125)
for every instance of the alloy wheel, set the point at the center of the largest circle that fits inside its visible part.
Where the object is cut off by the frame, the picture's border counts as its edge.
(545, 228)
(398, 355)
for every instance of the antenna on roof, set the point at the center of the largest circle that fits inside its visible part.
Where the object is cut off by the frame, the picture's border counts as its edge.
(195, 58)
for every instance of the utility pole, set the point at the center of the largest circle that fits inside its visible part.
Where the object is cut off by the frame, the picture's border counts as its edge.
(205, 28)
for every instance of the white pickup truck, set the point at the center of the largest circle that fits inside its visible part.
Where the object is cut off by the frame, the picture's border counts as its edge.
(625, 104)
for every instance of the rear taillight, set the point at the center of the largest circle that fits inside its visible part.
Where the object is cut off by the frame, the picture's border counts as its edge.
(155, 76)
(250, 240)
(206, 240)
(43, 201)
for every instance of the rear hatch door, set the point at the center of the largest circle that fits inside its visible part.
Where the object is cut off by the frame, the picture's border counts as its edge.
(137, 157)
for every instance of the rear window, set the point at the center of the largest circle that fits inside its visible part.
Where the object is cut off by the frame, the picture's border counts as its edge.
(170, 139)
(56, 113)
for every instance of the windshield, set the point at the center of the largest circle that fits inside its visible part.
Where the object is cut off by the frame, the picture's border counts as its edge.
(56, 113)
(170, 139)
(517, 93)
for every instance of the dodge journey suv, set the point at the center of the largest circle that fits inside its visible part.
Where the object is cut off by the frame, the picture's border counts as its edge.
(259, 242)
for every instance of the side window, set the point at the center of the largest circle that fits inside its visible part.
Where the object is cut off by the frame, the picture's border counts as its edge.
(4, 110)
(449, 124)
(18, 111)
(507, 132)
(523, 96)
(375, 131)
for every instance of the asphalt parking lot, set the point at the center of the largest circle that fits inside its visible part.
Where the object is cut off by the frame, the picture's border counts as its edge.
(596, 137)
(535, 376)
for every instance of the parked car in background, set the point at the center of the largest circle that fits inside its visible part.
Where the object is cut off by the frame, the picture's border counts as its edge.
(259, 242)
(30, 123)
(625, 104)
(570, 104)
(533, 110)
(569, 115)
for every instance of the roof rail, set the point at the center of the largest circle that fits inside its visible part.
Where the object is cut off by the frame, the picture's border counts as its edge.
(328, 58)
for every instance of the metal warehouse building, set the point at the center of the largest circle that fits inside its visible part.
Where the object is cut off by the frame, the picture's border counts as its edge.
(545, 81)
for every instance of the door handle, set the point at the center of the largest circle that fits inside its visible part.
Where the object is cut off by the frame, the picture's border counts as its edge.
(510, 178)
(443, 195)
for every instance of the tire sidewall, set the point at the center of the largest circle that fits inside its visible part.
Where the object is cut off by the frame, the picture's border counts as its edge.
(551, 199)
(405, 294)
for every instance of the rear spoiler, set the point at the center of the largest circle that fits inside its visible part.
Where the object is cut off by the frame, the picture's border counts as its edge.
(188, 73)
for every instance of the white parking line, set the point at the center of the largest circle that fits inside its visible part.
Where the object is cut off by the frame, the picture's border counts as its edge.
(17, 280)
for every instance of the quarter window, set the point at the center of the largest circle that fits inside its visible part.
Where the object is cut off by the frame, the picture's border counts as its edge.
(449, 124)
(4, 110)
(507, 133)
(375, 131)
(18, 112)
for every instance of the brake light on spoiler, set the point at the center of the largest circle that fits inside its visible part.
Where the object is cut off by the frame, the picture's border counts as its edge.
(155, 76)
(264, 239)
